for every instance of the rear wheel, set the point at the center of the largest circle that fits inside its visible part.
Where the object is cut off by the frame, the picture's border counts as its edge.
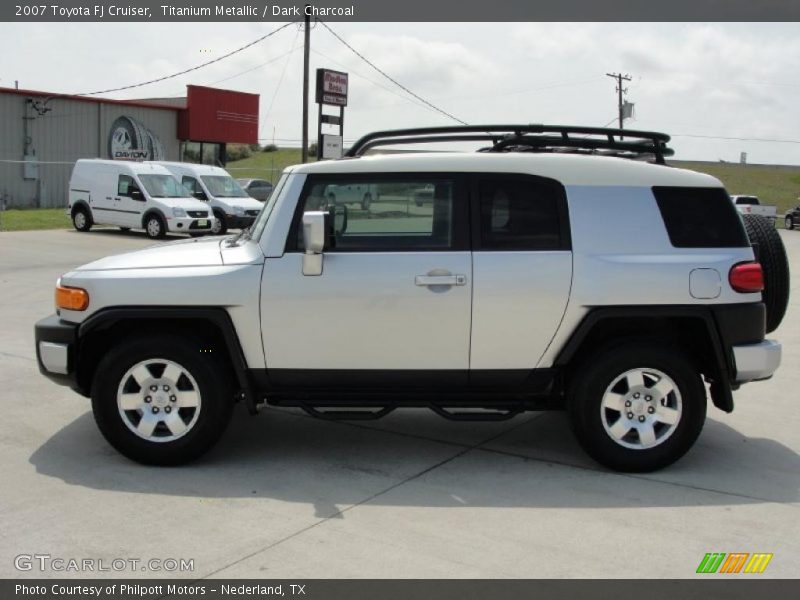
(775, 264)
(638, 407)
(154, 227)
(81, 219)
(159, 401)
(789, 222)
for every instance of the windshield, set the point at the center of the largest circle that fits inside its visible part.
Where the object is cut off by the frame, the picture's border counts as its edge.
(261, 220)
(751, 200)
(163, 186)
(223, 186)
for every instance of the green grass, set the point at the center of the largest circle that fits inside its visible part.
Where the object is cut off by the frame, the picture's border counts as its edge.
(779, 186)
(265, 165)
(33, 218)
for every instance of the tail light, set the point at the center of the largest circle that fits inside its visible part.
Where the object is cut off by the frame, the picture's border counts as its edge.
(747, 278)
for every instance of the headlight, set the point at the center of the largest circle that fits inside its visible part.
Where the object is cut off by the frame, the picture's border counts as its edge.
(239, 211)
(178, 212)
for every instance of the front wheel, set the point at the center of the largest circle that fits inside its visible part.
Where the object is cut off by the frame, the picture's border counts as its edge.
(160, 401)
(789, 222)
(154, 227)
(220, 226)
(637, 407)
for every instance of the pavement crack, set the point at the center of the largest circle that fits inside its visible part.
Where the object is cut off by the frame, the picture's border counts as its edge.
(338, 514)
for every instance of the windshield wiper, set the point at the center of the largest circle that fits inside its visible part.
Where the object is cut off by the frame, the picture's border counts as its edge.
(243, 234)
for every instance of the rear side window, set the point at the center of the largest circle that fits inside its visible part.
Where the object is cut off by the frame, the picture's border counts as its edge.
(521, 213)
(700, 218)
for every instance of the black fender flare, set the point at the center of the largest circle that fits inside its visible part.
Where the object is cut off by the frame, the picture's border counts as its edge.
(218, 316)
(721, 359)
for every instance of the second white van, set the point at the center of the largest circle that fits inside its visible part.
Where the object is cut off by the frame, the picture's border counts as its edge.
(233, 207)
(134, 195)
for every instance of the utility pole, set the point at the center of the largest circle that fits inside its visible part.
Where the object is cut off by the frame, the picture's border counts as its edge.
(306, 48)
(620, 91)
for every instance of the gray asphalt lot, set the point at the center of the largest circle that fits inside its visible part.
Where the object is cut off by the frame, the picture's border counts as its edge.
(287, 496)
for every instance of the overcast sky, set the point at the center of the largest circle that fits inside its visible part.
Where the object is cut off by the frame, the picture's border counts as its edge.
(699, 79)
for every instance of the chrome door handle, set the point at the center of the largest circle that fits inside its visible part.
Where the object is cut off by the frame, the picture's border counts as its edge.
(425, 280)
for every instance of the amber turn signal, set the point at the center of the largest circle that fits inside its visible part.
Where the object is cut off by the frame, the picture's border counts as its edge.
(70, 298)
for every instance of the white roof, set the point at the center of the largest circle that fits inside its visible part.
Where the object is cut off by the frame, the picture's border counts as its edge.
(569, 169)
(138, 167)
(193, 167)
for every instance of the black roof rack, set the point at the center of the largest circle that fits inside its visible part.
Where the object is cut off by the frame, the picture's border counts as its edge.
(530, 138)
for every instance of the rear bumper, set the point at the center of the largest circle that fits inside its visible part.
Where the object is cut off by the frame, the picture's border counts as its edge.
(56, 342)
(756, 361)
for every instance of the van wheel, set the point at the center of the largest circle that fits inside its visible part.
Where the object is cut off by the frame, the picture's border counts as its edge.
(154, 227)
(81, 219)
(159, 401)
(772, 256)
(789, 222)
(220, 226)
(366, 201)
(637, 408)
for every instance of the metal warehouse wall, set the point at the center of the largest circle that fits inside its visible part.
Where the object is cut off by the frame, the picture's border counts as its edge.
(73, 129)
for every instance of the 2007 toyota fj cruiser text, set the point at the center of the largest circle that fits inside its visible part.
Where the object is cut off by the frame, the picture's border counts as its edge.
(541, 274)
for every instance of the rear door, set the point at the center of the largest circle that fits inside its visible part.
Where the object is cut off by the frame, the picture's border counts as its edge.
(392, 306)
(522, 271)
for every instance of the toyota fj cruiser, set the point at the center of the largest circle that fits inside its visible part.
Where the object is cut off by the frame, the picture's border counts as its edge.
(557, 267)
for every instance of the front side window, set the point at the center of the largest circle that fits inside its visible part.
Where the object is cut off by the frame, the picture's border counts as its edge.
(163, 186)
(124, 185)
(520, 213)
(387, 213)
(190, 183)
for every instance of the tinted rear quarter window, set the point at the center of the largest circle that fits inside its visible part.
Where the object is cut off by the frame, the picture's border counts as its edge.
(700, 217)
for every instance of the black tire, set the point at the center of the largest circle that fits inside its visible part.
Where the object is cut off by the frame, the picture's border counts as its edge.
(215, 390)
(789, 222)
(81, 218)
(154, 226)
(223, 223)
(366, 201)
(588, 388)
(772, 256)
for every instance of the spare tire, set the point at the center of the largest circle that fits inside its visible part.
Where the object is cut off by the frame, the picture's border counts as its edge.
(771, 254)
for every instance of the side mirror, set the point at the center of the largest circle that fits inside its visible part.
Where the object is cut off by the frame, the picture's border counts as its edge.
(314, 233)
(136, 194)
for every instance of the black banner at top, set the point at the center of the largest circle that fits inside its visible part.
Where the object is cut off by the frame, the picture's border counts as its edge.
(400, 11)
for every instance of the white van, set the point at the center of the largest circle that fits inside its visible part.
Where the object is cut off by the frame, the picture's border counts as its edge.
(233, 207)
(134, 195)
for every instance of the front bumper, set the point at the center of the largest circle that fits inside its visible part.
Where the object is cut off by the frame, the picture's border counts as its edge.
(56, 343)
(235, 222)
(756, 361)
(184, 224)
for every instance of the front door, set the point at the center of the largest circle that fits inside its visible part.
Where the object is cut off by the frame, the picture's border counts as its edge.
(392, 305)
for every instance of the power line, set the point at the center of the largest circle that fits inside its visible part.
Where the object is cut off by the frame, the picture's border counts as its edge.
(390, 78)
(195, 68)
(738, 139)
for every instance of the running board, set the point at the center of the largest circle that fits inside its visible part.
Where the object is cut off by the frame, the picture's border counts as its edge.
(450, 413)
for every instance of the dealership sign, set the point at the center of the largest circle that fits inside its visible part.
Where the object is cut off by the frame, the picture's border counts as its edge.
(128, 139)
(331, 87)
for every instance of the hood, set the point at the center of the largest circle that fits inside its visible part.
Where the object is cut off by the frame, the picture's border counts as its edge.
(246, 202)
(198, 252)
(184, 203)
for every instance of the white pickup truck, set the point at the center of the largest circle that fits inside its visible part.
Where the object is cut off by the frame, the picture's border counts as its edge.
(750, 205)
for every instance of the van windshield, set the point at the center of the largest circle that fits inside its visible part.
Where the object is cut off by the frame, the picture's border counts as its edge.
(223, 186)
(163, 186)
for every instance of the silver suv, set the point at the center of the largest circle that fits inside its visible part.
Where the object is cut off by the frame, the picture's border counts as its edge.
(556, 268)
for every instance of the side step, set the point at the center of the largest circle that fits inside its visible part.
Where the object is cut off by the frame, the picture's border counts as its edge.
(450, 413)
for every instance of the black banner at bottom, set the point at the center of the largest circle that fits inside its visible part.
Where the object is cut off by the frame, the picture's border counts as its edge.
(730, 588)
